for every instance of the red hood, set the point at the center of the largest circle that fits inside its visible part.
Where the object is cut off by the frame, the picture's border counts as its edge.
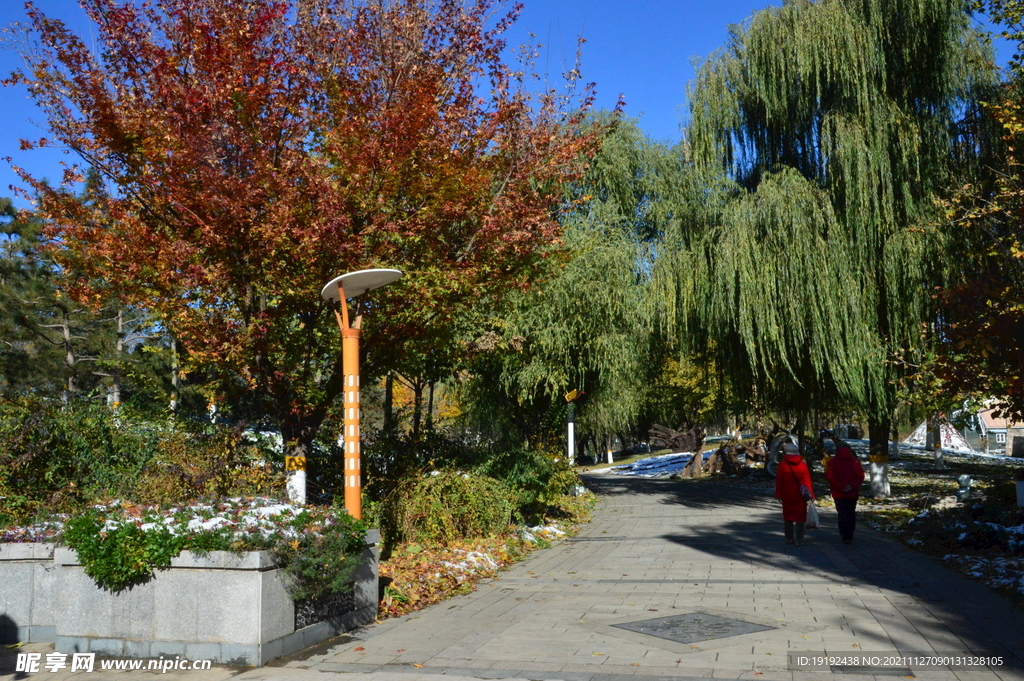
(793, 458)
(844, 452)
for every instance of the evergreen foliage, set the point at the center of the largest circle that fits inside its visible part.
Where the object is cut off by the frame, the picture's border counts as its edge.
(52, 345)
(25, 361)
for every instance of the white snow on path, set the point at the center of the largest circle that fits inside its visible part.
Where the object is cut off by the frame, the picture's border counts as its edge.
(660, 466)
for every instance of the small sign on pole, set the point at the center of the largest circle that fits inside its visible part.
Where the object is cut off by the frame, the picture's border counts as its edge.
(570, 397)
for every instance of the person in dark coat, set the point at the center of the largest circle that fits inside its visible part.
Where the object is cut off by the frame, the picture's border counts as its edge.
(791, 475)
(845, 474)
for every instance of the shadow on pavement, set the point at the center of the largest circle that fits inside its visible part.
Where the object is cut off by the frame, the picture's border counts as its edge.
(982, 619)
(693, 494)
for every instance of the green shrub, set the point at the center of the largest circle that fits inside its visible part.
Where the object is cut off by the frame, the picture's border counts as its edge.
(317, 548)
(537, 479)
(533, 482)
(120, 557)
(393, 458)
(59, 458)
(444, 506)
(322, 562)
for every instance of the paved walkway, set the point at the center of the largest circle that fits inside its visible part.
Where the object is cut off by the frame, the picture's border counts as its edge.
(713, 555)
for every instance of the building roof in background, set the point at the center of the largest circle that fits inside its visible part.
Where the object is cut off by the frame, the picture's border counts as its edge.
(990, 420)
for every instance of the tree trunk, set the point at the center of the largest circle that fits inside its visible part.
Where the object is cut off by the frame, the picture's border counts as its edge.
(297, 439)
(175, 379)
(389, 401)
(69, 358)
(417, 405)
(430, 407)
(115, 374)
(878, 434)
(934, 439)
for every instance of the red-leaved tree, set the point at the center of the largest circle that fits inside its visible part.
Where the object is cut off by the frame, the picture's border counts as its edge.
(254, 150)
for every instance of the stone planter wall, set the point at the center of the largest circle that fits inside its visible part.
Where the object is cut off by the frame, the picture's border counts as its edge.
(227, 607)
(27, 593)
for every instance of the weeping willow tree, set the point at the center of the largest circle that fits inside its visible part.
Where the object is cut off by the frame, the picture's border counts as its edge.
(835, 125)
(591, 326)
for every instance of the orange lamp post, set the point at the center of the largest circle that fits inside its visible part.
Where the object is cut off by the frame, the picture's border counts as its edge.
(340, 289)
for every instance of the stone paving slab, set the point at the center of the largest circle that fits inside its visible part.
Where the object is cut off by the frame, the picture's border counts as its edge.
(655, 549)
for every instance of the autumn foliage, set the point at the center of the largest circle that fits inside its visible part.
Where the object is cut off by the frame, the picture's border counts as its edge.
(252, 151)
(982, 322)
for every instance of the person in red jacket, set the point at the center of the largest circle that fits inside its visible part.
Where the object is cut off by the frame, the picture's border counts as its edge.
(794, 489)
(845, 474)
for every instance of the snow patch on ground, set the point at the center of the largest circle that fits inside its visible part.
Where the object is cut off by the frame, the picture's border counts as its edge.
(660, 466)
(999, 572)
(537, 533)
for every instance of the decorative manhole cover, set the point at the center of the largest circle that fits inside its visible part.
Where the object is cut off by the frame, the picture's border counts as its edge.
(692, 627)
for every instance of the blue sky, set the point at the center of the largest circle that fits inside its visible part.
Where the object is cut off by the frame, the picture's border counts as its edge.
(641, 49)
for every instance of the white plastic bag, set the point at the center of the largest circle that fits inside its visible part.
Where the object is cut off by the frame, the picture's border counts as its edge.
(813, 523)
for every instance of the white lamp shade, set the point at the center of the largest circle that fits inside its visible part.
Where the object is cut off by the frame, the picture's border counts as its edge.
(358, 283)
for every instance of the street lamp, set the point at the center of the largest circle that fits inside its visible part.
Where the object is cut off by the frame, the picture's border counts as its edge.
(340, 289)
